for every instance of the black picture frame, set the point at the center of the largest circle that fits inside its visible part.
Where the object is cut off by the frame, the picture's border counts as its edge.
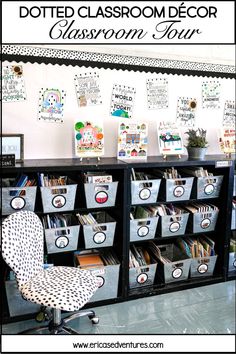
(16, 147)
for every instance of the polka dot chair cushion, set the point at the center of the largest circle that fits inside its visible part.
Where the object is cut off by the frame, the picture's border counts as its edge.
(64, 288)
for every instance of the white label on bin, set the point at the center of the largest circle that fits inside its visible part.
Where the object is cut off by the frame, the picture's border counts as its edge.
(59, 201)
(234, 263)
(205, 223)
(142, 278)
(209, 189)
(177, 273)
(18, 203)
(178, 191)
(99, 237)
(143, 231)
(202, 268)
(62, 242)
(101, 197)
(100, 281)
(144, 193)
(174, 226)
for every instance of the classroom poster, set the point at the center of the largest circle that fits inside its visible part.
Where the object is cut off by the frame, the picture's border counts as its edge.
(157, 93)
(211, 94)
(51, 105)
(87, 89)
(13, 84)
(89, 138)
(122, 101)
(186, 109)
(132, 140)
(169, 139)
(229, 118)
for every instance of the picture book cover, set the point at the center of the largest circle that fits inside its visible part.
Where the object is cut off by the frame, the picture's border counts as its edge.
(169, 139)
(227, 140)
(132, 140)
(89, 138)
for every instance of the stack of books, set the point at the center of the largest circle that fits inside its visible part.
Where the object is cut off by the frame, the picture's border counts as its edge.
(170, 173)
(197, 247)
(157, 210)
(139, 256)
(157, 253)
(198, 172)
(97, 177)
(22, 181)
(141, 176)
(86, 219)
(51, 181)
(234, 203)
(201, 208)
(232, 247)
(94, 259)
(55, 221)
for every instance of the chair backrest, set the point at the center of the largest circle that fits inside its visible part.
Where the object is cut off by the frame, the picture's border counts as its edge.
(22, 244)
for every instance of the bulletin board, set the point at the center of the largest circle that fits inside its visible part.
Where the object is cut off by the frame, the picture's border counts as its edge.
(88, 86)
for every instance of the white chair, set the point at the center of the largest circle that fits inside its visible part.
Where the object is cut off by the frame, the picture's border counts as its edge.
(58, 288)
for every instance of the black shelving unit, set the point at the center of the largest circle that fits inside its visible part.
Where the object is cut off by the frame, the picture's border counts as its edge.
(121, 211)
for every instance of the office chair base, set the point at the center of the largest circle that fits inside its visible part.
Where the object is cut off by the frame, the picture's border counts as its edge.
(58, 325)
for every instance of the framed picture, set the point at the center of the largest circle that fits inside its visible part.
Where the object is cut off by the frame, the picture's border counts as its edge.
(13, 144)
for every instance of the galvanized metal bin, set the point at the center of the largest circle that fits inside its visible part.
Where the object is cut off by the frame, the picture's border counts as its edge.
(178, 189)
(145, 191)
(16, 303)
(142, 276)
(233, 219)
(18, 198)
(108, 277)
(178, 268)
(173, 225)
(232, 262)
(101, 234)
(62, 239)
(143, 229)
(208, 187)
(58, 198)
(203, 221)
(99, 195)
(234, 189)
(202, 266)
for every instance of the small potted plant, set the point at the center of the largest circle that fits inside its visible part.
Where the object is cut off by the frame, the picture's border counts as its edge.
(196, 143)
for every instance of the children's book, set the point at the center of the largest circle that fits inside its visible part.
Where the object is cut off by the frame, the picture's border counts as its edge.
(170, 139)
(89, 138)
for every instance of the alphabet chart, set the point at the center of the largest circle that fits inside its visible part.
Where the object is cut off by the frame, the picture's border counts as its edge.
(13, 84)
(51, 105)
(132, 140)
(122, 101)
(87, 89)
(186, 108)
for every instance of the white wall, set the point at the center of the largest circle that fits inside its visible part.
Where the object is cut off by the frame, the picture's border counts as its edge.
(54, 140)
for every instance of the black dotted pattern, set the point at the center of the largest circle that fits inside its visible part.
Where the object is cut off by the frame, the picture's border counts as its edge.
(115, 59)
(64, 288)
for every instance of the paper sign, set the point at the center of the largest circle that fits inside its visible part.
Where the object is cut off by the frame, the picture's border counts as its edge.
(51, 105)
(211, 94)
(122, 101)
(229, 119)
(89, 139)
(157, 93)
(186, 108)
(132, 140)
(13, 85)
(170, 139)
(227, 140)
(87, 89)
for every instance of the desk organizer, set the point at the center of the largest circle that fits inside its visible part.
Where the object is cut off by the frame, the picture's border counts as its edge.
(101, 234)
(207, 187)
(18, 198)
(173, 225)
(177, 189)
(143, 229)
(99, 195)
(145, 191)
(58, 198)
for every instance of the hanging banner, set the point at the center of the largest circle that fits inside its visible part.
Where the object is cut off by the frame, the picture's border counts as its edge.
(211, 94)
(186, 108)
(87, 89)
(51, 105)
(122, 101)
(157, 93)
(13, 84)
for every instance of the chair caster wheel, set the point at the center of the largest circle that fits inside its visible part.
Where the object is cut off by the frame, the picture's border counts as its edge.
(94, 320)
(40, 317)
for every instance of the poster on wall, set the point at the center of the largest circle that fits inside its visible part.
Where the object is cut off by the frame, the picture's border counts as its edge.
(89, 138)
(186, 110)
(157, 93)
(13, 84)
(87, 89)
(227, 140)
(169, 139)
(132, 140)
(51, 105)
(229, 118)
(211, 94)
(122, 101)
